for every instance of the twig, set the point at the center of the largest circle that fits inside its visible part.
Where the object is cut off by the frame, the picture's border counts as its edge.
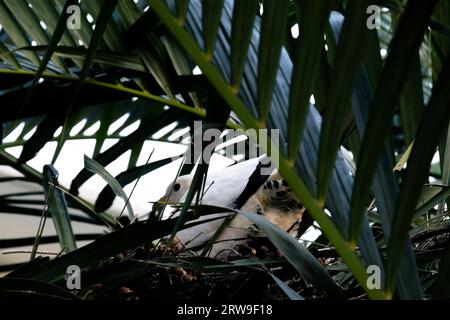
(29, 251)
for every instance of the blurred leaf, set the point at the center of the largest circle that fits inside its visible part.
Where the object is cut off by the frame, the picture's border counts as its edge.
(58, 209)
(180, 62)
(291, 294)
(430, 197)
(134, 156)
(103, 18)
(441, 50)
(111, 34)
(48, 13)
(406, 41)
(433, 126)
(139, 34)
(341, 183)
(429, 192)
(29, 286)
(442, 289)
(411, 101)
(181, 6)
(44, 132)
(97, 168)
(14, 30)
(312, 17)
(270, 44)
(56, 38)
(125, 61)
(115, 275)
(446, 168)
(211, 13)
(344, 72)
(29, 241)
(156, 68)
(241, 31)
(206, 264)
(6, 55)
(29, 22)
(84, 33)
(104, 247)
(128, 12)
(300, 258)
(7, 208)
(373, 62)
(24, 268)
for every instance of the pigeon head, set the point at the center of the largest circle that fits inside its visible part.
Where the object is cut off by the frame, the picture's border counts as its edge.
(177, 189)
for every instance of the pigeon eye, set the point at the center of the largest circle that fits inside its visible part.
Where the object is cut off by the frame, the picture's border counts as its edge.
(176, 187)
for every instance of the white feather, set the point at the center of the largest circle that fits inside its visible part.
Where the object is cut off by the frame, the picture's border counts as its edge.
(222, 188)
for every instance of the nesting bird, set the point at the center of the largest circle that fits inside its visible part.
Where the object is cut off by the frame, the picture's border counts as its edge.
(242, 186)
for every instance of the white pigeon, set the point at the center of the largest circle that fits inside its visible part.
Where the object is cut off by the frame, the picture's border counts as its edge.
(240, 186)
